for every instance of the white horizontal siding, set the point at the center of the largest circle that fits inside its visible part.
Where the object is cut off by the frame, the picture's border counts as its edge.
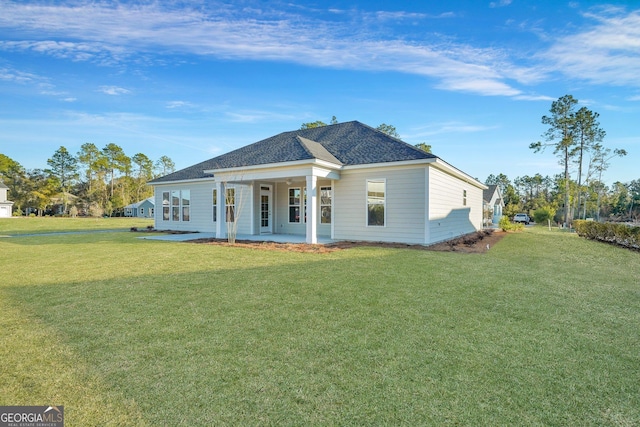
(281, 206)
(201, 207)
(405, 205)
(449, 217)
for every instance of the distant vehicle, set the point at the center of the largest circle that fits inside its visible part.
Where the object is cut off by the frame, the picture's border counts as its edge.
(522, 217)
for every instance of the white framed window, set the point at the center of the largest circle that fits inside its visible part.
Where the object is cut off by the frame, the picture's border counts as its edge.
(295, 204)
(376, 202)
(151, 212)
(325, 205)
(230, 202)
(215, 205)
(141, 211)
(186, 205)
(175, 205)
(166, 216)
(464, 197)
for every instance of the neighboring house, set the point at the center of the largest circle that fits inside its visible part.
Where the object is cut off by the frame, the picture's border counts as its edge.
(143, 209)
(5, 205)
(62, 202)
(493, 204)
(346, 181)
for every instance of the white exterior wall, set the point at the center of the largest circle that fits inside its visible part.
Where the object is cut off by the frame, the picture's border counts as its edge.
(281, 206)
(423, 205)
(5, 210)
(201, 207)
(405, 197)
(5, 205)
(449, 217)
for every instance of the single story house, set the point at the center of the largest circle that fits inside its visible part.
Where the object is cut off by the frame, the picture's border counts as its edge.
(143, 209)
(346, 181)
(493, 204)
(62, 202)
(6, 206)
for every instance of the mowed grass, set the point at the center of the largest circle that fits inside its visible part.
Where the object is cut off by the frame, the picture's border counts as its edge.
(544, 329)
(29, 225)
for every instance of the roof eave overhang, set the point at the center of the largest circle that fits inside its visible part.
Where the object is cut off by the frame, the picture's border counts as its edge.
(433, 161)
(389, 164)
(305, 162)
(446, 167)
(183, 181)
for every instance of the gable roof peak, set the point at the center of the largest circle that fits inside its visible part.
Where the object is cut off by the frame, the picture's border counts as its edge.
(317, 151)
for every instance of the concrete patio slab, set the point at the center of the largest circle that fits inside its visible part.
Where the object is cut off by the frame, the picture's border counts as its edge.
(277, 238)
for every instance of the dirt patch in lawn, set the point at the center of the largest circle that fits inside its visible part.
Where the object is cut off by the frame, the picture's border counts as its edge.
(480, 242)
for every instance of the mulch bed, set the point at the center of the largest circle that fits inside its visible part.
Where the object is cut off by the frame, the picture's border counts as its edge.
(457, 245)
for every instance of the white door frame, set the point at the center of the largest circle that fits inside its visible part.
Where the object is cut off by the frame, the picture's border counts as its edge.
(266, 190)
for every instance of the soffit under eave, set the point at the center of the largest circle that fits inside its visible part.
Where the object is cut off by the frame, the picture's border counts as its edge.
(276, 174)
(452, 170)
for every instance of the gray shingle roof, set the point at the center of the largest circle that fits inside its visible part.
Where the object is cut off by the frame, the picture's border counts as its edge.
(349, 143)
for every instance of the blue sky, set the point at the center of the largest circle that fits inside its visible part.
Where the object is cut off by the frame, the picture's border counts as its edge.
(193, 79)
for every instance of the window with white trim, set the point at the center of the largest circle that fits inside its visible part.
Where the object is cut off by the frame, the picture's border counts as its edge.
(325, 205)
(186, 205)
(215, 205)
(295, 204)
(175, 205)
(165, 206)
(230, 203)
(464, 197)
(376, 202)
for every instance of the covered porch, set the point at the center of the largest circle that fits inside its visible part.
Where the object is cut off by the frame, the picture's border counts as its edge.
(282, 204)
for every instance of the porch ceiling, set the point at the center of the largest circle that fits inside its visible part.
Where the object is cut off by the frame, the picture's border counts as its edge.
(280, 174)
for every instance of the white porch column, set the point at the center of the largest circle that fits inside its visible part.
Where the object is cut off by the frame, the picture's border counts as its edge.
(221, 215)
(333, 209)
(312, 208)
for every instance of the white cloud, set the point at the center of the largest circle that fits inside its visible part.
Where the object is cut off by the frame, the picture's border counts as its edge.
(606, 53)
(412, 16)
(111, 34)
(535, 98)
(490, 87)
(500, 3)
(447, 128)
(179, 105)
(113, 90)
(17, 76)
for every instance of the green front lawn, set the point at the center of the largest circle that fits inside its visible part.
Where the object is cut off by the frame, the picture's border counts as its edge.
(544, 329)
(29, 225)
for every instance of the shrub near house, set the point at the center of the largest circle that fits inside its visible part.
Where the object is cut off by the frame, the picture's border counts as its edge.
(618, 234)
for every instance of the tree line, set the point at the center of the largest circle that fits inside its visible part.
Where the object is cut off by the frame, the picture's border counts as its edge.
(93, 182)
(543, 197)
(577, 140)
